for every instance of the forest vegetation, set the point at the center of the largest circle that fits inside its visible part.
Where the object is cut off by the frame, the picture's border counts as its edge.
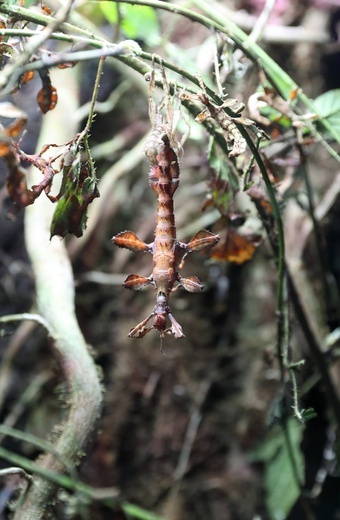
(197, 144)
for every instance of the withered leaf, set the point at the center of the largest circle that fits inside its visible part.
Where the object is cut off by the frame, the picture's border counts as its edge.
(10, 111)
(16, 178)
(46, 10)
(135, 281)
(15, 128)
(5, 148)
(293, 94)
(235, 247)
(2, 26)
(27, 76)
(77, 192)
(47, 98)
(17, 186)
(67, 65)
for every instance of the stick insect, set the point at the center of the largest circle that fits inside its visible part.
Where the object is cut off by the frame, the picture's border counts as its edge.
(226, 122)
(167, 252)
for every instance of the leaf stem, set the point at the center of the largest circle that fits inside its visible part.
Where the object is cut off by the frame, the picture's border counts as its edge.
(84, 135)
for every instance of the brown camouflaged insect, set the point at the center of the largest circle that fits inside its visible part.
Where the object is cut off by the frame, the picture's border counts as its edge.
(167, 252)
(226, 122)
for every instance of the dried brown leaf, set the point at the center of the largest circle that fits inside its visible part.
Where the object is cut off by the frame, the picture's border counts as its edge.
(67, 65)
(47, 98)
(2, 26)
(10, 111)
(235, 247)
(27, 76)
(46, 10)
(4, 149)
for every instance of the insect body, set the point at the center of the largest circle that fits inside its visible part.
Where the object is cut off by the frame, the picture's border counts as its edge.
(168, 254)
(226, 122)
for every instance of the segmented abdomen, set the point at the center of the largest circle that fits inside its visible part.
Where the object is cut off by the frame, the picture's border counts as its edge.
(164, 180)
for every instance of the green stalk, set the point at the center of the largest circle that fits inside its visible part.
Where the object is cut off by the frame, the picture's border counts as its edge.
(85, 134)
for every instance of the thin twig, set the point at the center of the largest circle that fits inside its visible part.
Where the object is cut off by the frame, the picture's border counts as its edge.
(190, 435)
(261, 22)
(25, 316)
(9, 71)
(62, 481)
(15, 471)
(41, 444)
(49, 60)
(315, 350)
(331, 305)
(84, 135)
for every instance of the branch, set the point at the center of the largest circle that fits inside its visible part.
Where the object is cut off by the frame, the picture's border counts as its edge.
(6, 75)
(55, 298)
(280, 79)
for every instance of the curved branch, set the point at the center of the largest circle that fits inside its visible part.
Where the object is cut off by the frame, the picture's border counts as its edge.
(55, 298)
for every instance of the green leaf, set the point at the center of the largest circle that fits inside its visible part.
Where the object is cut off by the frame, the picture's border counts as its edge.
(77, 191)
(275, 116)
(138, 22)
(248, 185)
(308, 414)
(328, 107)
(281, 487)
(110, 11)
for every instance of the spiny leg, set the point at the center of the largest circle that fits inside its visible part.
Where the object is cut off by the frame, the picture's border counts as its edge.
(128, 240)
(191, 284)
(140, 330)
(202, 240)
(136, 282)
(175, 329)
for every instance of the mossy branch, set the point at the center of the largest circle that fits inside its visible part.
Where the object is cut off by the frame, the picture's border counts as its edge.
(55, 299)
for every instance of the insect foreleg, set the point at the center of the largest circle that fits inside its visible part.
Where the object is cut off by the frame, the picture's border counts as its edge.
(135, 281)
(128, 240)
(191, 284)
(202, 240)
(175, 329)
(203, 116)
(140, 330)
